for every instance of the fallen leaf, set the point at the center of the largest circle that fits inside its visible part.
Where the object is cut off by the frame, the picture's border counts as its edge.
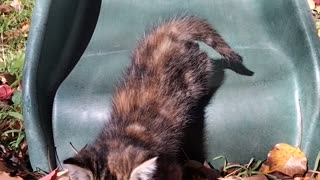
(196, 170)
(51, 176)
(3, 167)
(231, 178)
(5, 176)
(4, 105)
(5, 9)
(24, 27)
(264, 169)
(7, 78)
(16, 4)
(256, 177)
(11, 34)
(286, 159)
(5, 92)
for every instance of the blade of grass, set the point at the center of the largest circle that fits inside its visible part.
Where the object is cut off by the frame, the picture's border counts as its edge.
(19, 140)
(15, 115)
(12, 131)
(316, 164)
(257, 165)
(224, 163)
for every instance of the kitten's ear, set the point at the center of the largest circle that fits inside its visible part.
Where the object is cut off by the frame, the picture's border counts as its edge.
(145, 171)
(76, 172)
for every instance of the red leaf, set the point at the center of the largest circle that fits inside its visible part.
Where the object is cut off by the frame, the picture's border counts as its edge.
(317, 2)
(51, 176)
(5, 92)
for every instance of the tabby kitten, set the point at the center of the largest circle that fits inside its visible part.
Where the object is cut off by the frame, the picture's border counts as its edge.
(158, 108)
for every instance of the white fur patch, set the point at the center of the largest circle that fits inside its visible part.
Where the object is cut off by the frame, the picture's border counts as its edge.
(145, 171)
(78, 173)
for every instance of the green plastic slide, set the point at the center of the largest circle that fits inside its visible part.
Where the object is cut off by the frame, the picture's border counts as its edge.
(77, 51)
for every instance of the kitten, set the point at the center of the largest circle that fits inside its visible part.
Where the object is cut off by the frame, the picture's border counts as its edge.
(160, 100)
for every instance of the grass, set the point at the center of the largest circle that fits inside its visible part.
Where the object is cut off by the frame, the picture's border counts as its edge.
(14, 26)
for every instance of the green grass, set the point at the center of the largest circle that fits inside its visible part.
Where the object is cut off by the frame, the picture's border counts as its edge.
(14, 25)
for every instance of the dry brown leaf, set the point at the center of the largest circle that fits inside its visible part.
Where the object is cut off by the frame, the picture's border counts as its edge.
(264, 169)
(16, 4)
(11, 34)
(286, 159)
(7, 78)
(231, 178)
(3, 166)
(5, 176)
(24, 26)
(5, 9)
(256, 177)
(196, 170)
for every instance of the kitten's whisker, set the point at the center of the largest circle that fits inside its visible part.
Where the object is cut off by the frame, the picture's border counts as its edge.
(185, 154)
(73, 148)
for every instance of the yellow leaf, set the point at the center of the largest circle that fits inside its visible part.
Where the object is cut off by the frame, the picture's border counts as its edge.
(287, 160)
(24, 28)
(264, 168)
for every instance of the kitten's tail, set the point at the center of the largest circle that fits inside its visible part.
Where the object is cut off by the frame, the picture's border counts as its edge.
(190, 28)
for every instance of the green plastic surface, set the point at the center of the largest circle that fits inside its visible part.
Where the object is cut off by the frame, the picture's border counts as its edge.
(247, 116)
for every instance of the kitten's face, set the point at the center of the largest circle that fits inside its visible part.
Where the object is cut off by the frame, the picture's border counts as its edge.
(144, 171)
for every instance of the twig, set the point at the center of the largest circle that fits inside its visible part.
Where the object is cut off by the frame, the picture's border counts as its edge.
(250, 162)
(2, 48)
(58, 159)
(234, 172)
(300, 124)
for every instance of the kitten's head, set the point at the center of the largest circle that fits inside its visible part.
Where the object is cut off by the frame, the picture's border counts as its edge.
(121, 165)
(144, 171)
